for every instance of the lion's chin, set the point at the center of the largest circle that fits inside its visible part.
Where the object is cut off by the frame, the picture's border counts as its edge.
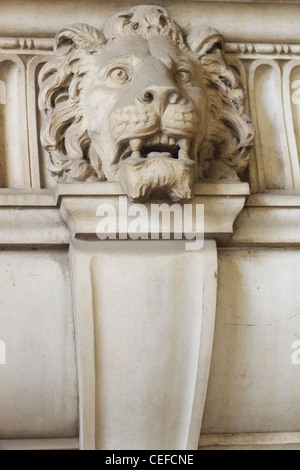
(157, 177)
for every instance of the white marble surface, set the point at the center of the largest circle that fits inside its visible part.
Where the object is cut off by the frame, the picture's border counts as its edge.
(38, 392)
(254, 385)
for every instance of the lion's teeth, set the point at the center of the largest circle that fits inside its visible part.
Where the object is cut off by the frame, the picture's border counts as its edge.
(183, 154)
(164, 139)
(171, 141)
(184, 144)
(136, 145)
(153, 140)
(136, 154)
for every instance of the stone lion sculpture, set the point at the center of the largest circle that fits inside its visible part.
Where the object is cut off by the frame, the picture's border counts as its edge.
(145, 104)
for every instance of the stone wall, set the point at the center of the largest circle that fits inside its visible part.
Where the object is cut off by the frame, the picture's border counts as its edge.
(253, 386)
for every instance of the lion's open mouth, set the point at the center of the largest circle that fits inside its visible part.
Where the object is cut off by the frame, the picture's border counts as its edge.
(156, 146)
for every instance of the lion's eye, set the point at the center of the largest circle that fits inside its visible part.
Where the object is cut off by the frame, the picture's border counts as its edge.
(119, 75)
(183, 76)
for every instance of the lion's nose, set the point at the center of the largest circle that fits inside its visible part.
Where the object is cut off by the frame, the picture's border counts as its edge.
(163, 96)
(147, 97)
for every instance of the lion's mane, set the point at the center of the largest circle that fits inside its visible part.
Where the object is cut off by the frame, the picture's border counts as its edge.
(223, 154)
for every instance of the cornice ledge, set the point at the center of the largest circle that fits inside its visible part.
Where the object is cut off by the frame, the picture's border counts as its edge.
(269, 220)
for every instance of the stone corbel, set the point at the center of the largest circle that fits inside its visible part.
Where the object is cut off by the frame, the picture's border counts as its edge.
(145, 312)
(79, 203)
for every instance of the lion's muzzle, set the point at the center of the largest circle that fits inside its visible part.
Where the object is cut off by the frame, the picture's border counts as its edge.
(140, 121)
(141, 133)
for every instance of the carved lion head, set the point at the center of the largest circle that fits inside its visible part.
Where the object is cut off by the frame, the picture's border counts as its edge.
(144, 104)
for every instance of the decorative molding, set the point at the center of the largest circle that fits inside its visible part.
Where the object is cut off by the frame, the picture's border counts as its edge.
(34, 46)
(13, 134)
(35, 149)
(271, 147)
(40, 444)
(267, 219)
(256, 50)
(42, 46)
(275, 440)
(273, 200)
(292, 118)
(26, 198)
(32, 226)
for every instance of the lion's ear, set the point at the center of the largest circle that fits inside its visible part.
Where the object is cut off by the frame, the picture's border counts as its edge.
(78, 35)
(205, 41)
